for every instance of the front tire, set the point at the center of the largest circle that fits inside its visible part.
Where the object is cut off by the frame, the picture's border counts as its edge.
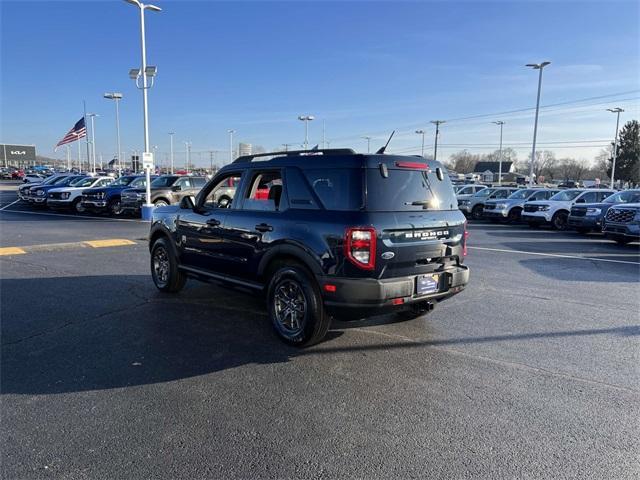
(295, 307)
(164, 268)
(559, 221)
(476, 213)
(514, 216)
(77, 206)
(115, 207)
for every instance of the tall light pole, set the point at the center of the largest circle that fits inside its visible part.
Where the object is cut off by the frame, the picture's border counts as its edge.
(500, 123)
(188, 147)
(115, 96)
(536, 66)
(231, 132)
(306, 119)
(171, 134)
(617, 111)
(368, 139)
(421, 132)
(93, 139)
(437, 123)
(144, 72)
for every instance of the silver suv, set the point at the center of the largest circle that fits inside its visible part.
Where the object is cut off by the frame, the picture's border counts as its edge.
(510, 208)
(473, 205)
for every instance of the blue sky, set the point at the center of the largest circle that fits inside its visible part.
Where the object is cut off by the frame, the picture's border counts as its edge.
(365, 68)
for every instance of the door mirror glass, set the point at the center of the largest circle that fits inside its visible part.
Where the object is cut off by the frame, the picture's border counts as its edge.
(188, 202)
(176, 188)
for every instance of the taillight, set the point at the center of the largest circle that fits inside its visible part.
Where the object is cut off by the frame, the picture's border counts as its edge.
(360, 247)
(465, 235)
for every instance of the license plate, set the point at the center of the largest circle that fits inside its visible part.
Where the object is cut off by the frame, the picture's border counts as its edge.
(427, 284)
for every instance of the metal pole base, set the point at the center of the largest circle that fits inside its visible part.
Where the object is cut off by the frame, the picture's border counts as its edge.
(147, 212)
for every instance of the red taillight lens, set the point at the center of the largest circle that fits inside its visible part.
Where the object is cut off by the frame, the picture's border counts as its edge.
(360, 247)
(415, 165)
(465, 235)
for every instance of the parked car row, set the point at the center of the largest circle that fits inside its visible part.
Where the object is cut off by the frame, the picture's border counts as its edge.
(100, 194)
(616, 214)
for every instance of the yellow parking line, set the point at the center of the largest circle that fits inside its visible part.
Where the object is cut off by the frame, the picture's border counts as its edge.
(11, 251)
(111, 242)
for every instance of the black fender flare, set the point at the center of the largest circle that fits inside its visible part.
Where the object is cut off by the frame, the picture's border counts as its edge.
(288, 250)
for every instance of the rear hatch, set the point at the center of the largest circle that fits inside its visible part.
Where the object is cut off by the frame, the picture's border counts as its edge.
(414, 209)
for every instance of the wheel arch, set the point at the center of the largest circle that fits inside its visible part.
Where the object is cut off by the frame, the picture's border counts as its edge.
(284, 254)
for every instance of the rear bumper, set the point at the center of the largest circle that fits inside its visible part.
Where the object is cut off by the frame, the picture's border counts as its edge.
(358, 297)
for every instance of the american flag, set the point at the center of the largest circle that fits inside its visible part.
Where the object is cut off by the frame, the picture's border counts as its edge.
(78, 131)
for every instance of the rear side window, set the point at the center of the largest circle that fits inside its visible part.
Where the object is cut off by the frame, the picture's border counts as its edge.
(300, 196)
(337, 188)
(409, 190)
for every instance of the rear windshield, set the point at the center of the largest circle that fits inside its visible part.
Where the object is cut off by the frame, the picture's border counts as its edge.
(409, 190)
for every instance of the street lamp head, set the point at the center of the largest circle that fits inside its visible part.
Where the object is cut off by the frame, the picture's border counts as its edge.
(134, 2)
(305, 118)
(152, 7)
(537, 66)
(231, 131)
(151, 71)
(134, 73)
(499, 122)
(615, 110)
(113, 96)
(420, 132)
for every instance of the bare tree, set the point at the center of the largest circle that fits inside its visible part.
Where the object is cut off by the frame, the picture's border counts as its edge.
(572, 169)
(463, 161)
(544, 165)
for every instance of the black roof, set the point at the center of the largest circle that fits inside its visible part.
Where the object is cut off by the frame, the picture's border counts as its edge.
(493, 167)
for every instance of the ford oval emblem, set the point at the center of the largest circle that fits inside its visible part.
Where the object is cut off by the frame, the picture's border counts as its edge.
(388, 255)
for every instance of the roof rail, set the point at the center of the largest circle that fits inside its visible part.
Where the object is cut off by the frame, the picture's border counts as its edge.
(294, 153)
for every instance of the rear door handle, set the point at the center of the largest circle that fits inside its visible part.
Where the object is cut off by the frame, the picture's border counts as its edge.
(212, 222)
(263, 227)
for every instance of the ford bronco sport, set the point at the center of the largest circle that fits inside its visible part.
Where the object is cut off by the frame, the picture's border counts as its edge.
(338, 234)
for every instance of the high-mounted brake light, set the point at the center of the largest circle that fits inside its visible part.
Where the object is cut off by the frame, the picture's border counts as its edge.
(360, 247)
(414, 165)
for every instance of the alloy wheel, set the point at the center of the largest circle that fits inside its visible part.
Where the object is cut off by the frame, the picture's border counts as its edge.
(161, 265)
(290, 307)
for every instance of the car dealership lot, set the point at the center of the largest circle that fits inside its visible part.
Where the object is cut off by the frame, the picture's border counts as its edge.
(532, 371)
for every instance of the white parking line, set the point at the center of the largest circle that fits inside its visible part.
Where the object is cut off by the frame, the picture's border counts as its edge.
(556, 255)
(12, 203)
(77, 217)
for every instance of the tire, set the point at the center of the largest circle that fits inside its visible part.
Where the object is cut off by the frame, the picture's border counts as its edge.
(476, 212)
(161, 202)
(115, 207)
(559, 221)
(514, 216)
(164, 268)
(77, 207)
(295, 306)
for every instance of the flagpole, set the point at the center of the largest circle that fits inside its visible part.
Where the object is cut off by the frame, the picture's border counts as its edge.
(86, 137)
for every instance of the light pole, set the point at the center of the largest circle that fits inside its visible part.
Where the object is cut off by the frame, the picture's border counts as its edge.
(617, 111)
(306, 119)
(93, 139)
(437, 123)
(231, 132)
(171, 134)
(188, 147)
(368, 139)
(536, 66)
(421, 132)
(500, 123)
(144, 72)
(117, 97)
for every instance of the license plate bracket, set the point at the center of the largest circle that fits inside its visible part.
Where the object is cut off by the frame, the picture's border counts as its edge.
(427, 283)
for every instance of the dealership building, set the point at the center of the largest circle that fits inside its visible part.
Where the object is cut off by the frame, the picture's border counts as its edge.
(17, 155)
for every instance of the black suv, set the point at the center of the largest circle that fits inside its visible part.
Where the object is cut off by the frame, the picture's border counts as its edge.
(322, 233)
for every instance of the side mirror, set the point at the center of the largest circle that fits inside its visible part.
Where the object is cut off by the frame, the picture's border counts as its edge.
(176, 188)
(188, 202)
(439, 174)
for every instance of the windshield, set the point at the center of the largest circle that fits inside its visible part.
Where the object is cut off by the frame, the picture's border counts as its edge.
(76, 180)
(69, 180)
(163, 182)
(54, 180)
(565, 196)
(630, 196)
(521, 194)
(84, 182)
(122, 181)
(138, 182)
(409, 190)
(485, 192)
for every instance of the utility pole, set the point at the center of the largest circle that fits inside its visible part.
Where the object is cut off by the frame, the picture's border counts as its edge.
(500, 123)
(437, 123)
(535, 66)
(617, 111)
(188, 145)
(231, 132)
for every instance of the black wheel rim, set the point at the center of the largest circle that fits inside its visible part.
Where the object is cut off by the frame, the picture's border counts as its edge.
(477, 213)
(79, 207)
(290, 307)
(161, 266)
(115, 207)
(561, 221)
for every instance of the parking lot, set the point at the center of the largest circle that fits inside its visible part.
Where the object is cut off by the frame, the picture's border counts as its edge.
(531, 372)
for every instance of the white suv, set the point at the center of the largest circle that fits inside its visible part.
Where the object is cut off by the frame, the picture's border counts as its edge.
(555, 211)
(71, 197)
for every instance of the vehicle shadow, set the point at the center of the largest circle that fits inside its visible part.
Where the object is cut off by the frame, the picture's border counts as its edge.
(105, 332)
(583, 271)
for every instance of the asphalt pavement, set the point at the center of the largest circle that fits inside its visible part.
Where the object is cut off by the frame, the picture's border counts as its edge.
(531, 372)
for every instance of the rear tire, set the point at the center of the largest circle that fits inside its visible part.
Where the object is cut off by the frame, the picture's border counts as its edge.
(476, 212)
(295, 307)
(164, 268)
(161, 202)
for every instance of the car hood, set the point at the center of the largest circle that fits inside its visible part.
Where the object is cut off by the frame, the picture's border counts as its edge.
(507, 201)
(66, 189)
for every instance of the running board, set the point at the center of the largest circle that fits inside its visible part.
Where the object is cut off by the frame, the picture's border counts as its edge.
(222, 278)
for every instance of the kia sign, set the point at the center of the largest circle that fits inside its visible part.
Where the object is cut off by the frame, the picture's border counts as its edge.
(14, 154)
